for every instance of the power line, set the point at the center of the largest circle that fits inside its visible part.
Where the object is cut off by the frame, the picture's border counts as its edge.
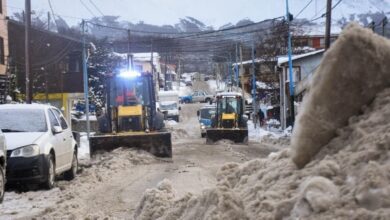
(300, 12)
(52, 11)
(86, 7)
(96, 7)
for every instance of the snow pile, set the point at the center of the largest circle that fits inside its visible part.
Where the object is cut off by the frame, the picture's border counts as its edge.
(352, 72)
(215, 85)
(70, 199)
(349, 177)
(259, 133)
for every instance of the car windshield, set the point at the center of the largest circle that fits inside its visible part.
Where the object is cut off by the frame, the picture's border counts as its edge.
(170, 106)
(22, 120)
(207, 113)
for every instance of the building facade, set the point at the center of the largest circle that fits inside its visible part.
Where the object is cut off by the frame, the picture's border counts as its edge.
(4, 79)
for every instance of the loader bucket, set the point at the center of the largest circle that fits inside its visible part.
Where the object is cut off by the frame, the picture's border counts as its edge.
(157, 143)
(236, 135)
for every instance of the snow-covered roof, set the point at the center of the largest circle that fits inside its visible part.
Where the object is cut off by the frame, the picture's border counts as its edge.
(229, 94)
(284, 59)
(319, 30)
(262, 85)
(145, 56)
(141, 57)
(257, 60)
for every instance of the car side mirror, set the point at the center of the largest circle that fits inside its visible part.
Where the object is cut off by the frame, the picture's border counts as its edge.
(57, 129)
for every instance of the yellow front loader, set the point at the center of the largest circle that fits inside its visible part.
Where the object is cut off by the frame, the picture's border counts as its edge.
(131, 119)
(229, 121)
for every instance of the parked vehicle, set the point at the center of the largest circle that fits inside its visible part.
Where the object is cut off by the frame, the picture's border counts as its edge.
(204, 115)
(201, 96)
(186, 99)
(169, 104)
(3, 163)
(40, 144)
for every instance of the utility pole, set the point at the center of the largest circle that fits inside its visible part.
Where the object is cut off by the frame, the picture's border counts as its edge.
(128, 51)
(85, 79)
(165, 72)
(48, 21)
(290, 67)
(328, 23)
(236, 68)
(241, 73)
(254, 98)
(230, 71)
(27, 51)
(384, 23)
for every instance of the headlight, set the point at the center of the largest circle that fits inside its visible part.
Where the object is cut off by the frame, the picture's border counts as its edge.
(202, 126)
(26, 151)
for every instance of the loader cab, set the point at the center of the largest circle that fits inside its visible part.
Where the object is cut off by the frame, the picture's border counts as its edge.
(229, 110)
(132, 102)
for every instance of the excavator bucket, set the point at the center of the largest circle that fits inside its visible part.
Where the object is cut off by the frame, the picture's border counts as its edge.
(236, 135)
(157, 143)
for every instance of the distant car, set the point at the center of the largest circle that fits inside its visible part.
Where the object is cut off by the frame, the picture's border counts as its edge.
(202, 96)
(40, 144)
(185, 99)
(3, 162)
(204, 115)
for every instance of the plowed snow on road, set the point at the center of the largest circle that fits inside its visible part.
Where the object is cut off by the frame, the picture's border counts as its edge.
(112, 184)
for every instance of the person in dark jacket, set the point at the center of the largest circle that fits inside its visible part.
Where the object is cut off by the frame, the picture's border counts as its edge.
(261, 118)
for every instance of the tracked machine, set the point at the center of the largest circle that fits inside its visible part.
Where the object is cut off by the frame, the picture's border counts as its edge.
(131, 119)
(229, 121)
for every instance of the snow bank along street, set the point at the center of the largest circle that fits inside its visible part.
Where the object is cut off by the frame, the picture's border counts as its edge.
(248, 116)
(341, 144)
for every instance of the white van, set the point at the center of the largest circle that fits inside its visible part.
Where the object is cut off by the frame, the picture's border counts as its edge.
(169, 104)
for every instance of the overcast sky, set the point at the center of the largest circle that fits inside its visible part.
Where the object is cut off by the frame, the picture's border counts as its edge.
(159, 12)
(211, 12)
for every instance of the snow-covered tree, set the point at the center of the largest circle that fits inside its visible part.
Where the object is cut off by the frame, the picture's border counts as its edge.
(102, 64)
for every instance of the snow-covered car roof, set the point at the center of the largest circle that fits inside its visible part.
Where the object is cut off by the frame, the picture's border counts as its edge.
(229, 94)
(208, 106)
(26, 106)
(167, 102)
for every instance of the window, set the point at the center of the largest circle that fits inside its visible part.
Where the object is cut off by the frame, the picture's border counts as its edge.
(2, 51)
(74, 64)
(58, 114)
(53, 119)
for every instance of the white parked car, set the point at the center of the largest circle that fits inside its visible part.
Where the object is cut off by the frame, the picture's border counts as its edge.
(3, 162)
(202, 96)
(40, 144)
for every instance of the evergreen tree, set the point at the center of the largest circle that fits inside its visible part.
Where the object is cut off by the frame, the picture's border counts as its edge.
(102, 65)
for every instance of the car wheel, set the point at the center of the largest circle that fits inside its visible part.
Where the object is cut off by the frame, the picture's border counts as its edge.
(207, 100)
(2, 184)
(71, 174)
(49, 183)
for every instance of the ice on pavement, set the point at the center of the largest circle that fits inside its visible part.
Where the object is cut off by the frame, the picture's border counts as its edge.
(347, 179)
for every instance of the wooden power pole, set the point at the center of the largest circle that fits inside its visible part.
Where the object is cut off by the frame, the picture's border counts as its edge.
(27, 51)
(328, 23)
